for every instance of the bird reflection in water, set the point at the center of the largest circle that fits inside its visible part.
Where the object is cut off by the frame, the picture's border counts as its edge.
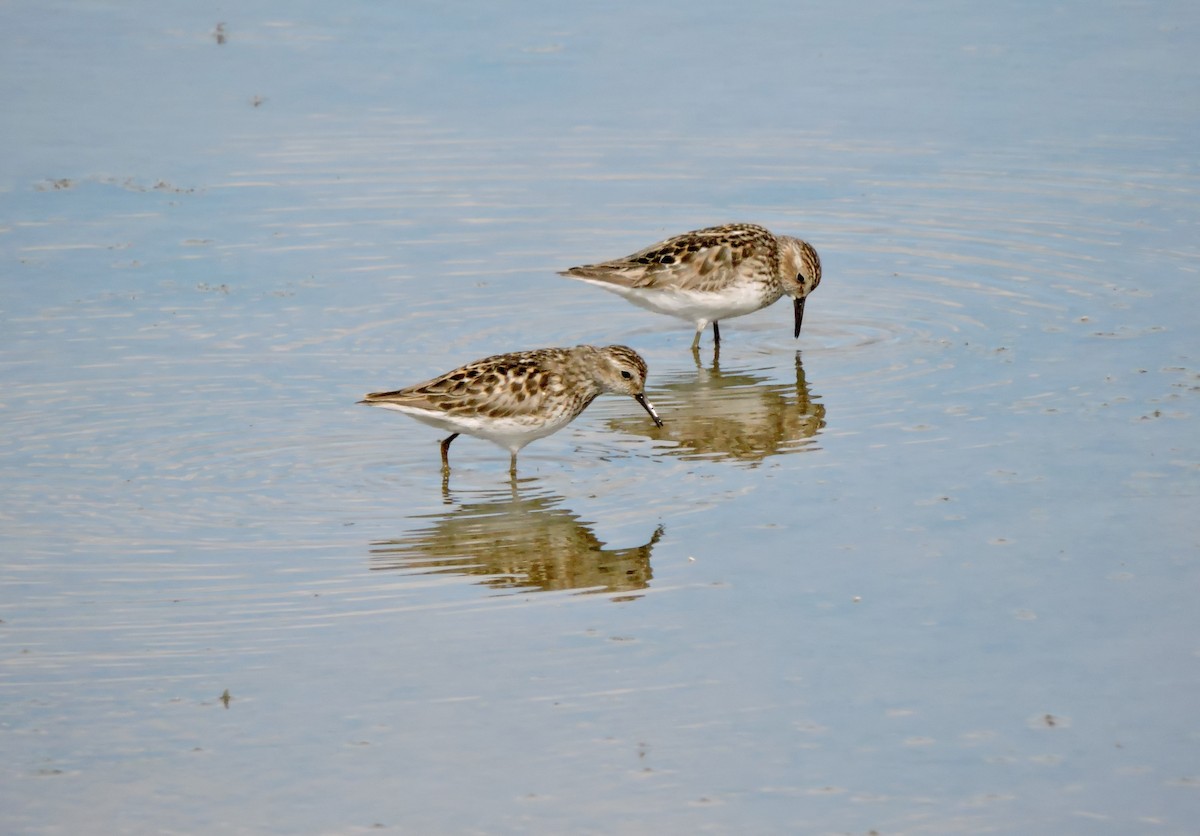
(739, 414)
(518, 540)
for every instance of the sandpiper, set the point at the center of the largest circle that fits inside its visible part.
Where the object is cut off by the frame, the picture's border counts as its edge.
(512, 399)
(712, 274)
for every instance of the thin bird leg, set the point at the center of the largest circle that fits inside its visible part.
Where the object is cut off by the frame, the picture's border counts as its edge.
(696, 339)
(716, 333)
(512, 465)
(445, 450)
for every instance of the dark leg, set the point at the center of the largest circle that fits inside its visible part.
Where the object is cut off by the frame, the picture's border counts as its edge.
(716, 333)
(512, 466)
(445, 450)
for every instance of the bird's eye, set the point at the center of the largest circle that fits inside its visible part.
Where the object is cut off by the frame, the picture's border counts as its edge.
(800, 278)
(626, 375)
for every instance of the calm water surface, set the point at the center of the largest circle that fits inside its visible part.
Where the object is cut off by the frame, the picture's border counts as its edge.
(932, 568)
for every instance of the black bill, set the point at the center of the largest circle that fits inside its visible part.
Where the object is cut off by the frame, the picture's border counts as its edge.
(646, 406)
(798, 304)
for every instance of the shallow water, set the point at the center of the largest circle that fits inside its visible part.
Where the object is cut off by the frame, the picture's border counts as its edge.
(929, 569)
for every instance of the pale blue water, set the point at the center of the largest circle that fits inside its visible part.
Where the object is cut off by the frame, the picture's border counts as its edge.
(930, 569)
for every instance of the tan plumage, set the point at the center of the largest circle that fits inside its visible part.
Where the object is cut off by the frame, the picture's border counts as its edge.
(512, 399)
(711, 274)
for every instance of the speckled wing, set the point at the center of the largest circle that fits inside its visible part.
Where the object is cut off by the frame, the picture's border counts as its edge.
(504, 386)
(704, 260)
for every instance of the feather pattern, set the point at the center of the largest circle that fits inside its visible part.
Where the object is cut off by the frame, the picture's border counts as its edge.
(710, 274)
(512, 399)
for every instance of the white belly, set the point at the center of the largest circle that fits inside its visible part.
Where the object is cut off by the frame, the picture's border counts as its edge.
(510, 433)
(694, 306)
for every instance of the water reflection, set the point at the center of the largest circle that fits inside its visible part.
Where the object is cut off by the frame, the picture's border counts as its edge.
(517, 539)
(738, 414)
